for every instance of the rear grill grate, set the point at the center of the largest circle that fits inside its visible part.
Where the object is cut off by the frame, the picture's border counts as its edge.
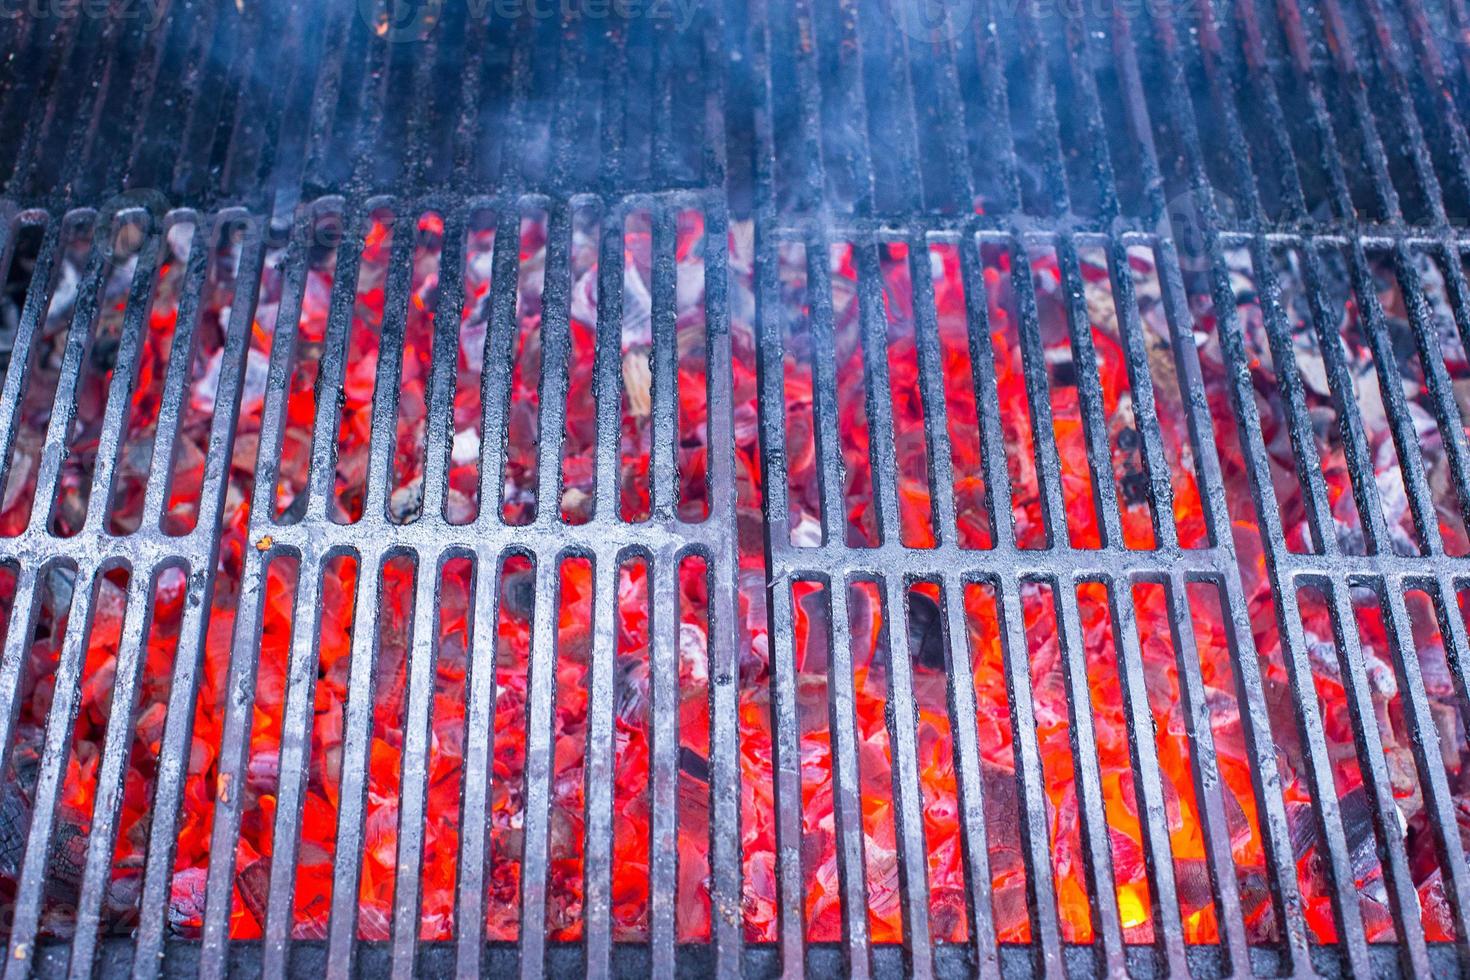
(1250, 213)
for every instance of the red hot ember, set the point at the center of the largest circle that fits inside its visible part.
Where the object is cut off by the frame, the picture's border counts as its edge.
(1046, 372)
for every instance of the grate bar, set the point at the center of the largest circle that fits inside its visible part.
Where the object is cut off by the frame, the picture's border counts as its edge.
(599, 860)
(786, 764)
(120, 387)
(173, 753)
(1254, 716)
(1355, 444)
(500, 336)
(294, 766)
(1207, 792)
(1248, 670)
(787, 777)
(300, 694)
(1034, 822)
(357, 731)
(847, 786)
(1452, 628)
(908, 820)
(1401, 424)
(1299, 422)
(1403, 898)
(961, 690)
(1389, 826)
(1308, 708)
(963, 711)
(234, 747)
(84, 311)
(723, 569)
(597, 899)
(1431, 359)
(663, 858)
(1089, 781)
(1149, 789)
(241, 688)
(475, 845)
(418, 721)
(542, 689)
(48, 781)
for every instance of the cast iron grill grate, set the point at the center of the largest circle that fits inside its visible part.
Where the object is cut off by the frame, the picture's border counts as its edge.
(1201, 269)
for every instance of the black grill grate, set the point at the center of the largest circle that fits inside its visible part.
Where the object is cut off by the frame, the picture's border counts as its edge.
(1187, 130)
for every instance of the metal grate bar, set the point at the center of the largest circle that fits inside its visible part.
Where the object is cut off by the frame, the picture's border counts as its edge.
(240, 694)
(500, 335)
(1402, 893)
(908, 820)
(423, 645)
(173, 752)
(1308, 709)
(1388, 825)
(1419, 154)
(962, 709)
(1207, 791)
(539, 719)
(723, 611)
(1254, 717)
(1355, 88)
(847, 791)
(961, 699)
(791, 907)
(1034, 824)
(29, 898)
(1431, 358)
(663, 831)
(786, 764)
(598, 896)
(357, 730)
(294, 762)
(842, 693)
(1452, 628)
(1303, 444)
(1249, 678)
(48, 781)
(1401, 424)
(1149, 790)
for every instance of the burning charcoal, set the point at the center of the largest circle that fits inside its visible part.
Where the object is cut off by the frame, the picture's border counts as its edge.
(68, 852)
(296, 509)
(693, 764)
(104, 352)
(1135, 489)
(186, 898)
(1192, 881)
(406, 503)
(926, 631)
(1357, 826)
(15, 825)
(632, 688)
(254, 884)
(518, 592)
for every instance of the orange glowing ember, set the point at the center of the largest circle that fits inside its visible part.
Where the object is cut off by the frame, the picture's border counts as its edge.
(1006, 269)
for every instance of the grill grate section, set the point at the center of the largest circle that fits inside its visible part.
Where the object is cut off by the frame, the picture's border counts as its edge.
(1328, 131)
